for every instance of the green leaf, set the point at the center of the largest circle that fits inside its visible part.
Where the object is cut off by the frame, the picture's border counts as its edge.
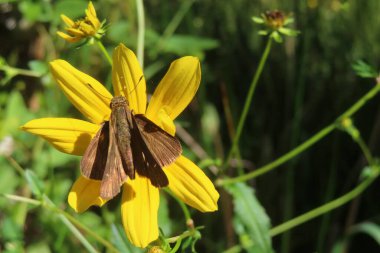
(288, 31)
(288, 20)
(36, 10)
(364, 70)
(15, 115)
(210, 124)
(121, 242)
(30, 10)
(121, 31)
(35, 184)
(40, 247)
(368, 228)
(209, 162)
(153, 69)
(39, 67)
(8, 180)
(72, 8)
(189, 45)
(252, 217)
(164, 220)
(257, 20)
(277, 37)
(263, 32)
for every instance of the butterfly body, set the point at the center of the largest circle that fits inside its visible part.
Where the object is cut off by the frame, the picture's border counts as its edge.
(127, 144)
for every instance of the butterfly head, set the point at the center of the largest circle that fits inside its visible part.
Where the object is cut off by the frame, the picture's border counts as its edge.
(118, 101)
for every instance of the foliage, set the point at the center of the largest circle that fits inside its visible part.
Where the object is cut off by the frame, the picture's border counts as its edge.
(306, 83)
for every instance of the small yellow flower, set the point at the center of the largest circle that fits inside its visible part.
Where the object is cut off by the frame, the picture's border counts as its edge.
(89, 27)
(140, 199)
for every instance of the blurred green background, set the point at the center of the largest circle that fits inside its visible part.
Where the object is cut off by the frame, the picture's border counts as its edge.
(307, 82)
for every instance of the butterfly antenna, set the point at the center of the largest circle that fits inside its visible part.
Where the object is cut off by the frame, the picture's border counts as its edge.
(134, 88)
(89, 85)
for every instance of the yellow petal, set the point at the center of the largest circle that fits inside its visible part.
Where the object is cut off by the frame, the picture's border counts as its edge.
(177, 88)
(91, 9)
(139, 211)
(191, 185)
(68, 21)
(70, 136)
(94, 21)
(89, 96)
(75, 32)
(68, 38)
(165, 122)
(128, 79)
(91, 15)
(85, 193)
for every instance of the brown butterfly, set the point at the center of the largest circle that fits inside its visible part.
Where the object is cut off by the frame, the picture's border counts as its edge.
(125, 144)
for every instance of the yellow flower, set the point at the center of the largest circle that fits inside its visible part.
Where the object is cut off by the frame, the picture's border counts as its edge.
(88, 27)
(140, 199)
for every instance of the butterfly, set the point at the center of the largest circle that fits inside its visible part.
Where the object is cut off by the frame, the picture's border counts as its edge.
(127, 144)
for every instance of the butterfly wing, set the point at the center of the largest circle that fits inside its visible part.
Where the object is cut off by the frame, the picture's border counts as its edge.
(153, 148)
(94, 159)
(164, 147)
(114, 174)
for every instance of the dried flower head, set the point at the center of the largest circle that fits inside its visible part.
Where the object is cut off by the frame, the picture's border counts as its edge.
(275, 24)
(274, 19)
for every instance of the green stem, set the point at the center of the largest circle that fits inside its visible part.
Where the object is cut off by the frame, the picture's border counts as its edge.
(234, 249)
(185, 234)
(176, 246)
(178, 239)
(270, 166)
(77, 234)
(23, 199)
(184, 208)
(324, 208)
(64, 216)
(16, 71)
(140, 32)
(361, 102)
(87, 230)
(174, 23)
(16, 165)
(322, 133)
(104, 51)
(248, 101)
(365, 150)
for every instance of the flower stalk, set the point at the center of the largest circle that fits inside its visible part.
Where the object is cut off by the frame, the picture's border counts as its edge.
(104, 51)
(248, 102)
(141, 32)
(307, 144)
(324, 208)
